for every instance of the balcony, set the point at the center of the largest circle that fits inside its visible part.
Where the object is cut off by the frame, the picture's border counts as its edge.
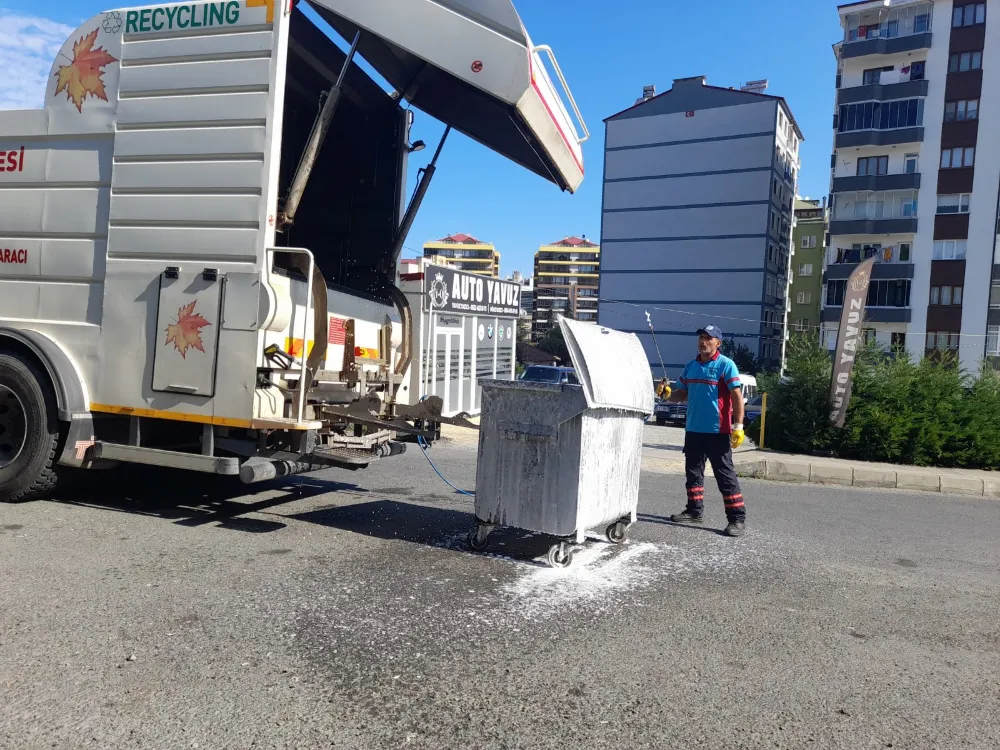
(877, 182)
(839, 271)
(887, 30)
(880, 137)
(832, 314)
(862, 212)
(874, 226)
(881, 46)
(883, 92)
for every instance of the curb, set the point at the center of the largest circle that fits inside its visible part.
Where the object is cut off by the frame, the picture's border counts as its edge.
(784, 470)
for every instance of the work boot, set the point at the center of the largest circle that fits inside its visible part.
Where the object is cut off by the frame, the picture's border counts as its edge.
(686, 517)
(735, 528)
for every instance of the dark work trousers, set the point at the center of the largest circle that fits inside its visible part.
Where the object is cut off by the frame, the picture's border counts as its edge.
(699, 446)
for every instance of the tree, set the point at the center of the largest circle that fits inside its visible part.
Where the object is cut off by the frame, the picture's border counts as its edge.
(524, 331)
(742, 355)
(552, 341)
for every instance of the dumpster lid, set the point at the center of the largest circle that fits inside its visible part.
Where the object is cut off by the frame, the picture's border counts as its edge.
(611, 366)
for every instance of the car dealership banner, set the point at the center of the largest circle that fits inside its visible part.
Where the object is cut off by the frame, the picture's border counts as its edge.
(451, 291)
(849, 338)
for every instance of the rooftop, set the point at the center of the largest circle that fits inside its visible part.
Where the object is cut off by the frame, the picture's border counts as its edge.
(692, 85)
(461, 239)
(573, 242)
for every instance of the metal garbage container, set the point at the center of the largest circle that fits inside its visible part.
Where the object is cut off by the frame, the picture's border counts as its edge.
(560, 459)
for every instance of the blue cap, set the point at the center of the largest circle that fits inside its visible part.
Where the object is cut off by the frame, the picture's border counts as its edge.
(714, 331)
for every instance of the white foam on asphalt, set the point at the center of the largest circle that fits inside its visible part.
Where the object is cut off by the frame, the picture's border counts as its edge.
(601, 574)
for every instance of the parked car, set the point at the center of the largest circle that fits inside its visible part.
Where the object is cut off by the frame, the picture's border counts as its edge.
(550, 374)
(753, 409)
(669, 413)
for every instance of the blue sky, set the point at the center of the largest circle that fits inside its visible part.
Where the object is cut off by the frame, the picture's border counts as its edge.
(607, 57)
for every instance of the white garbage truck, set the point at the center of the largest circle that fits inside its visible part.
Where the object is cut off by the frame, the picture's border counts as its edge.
(200, 230)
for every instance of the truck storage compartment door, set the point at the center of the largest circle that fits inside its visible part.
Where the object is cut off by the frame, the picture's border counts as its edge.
(187, 333)
(470, 64)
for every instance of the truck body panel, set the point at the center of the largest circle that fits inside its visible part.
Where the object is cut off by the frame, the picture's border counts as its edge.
(141, 223)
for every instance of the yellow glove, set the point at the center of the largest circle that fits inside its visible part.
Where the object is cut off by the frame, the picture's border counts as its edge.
(737, 437)
(665, 393)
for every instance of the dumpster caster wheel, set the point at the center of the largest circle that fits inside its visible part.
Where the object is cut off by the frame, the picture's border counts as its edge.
(560, 555)
(616, 533)
(478, 539)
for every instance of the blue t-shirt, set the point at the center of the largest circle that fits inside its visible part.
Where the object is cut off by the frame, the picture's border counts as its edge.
(710, 404)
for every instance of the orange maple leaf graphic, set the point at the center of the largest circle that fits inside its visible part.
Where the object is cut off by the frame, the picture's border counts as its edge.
(83, 74)
(186, 332)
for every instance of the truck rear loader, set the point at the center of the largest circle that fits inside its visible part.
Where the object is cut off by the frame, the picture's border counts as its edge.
(201, 228)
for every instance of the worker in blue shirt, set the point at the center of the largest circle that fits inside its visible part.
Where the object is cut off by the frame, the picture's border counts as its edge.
(711, 386)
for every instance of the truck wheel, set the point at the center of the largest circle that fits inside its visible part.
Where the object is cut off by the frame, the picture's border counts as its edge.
(29, 431)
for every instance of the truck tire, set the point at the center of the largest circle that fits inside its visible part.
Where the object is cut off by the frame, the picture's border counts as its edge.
(29, 431)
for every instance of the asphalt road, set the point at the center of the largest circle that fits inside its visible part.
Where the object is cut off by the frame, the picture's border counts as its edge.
(161, 611)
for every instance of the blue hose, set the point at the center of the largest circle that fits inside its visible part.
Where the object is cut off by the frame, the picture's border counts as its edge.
(425, 448)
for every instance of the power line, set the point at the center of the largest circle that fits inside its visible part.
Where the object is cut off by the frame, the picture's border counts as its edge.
(776, 324)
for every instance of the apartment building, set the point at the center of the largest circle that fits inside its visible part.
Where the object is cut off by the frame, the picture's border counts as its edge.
(466, 253)
(697, 216)
(809, 243)
(566, 282)
(911, 184)
(527, 293)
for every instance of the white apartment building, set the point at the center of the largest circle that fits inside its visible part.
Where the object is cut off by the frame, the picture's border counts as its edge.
(911, 184)
(697, 214)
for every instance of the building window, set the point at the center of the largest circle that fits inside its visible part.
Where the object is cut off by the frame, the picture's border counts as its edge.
(946, 295)
(897, 340)
(995, 295)
(956, 158)
(968, 15)
(904, 252)
(949, 249)
(806, 269)
(873, 165)
(910, 164)
(804, 298)
(942, 341)
(886, 204)
(904, 113)
(808, 242)
(963, 109)
(874, 75)
(881, 293)
(801, 324)
(953, 204)
(993, 341)
(963, 61)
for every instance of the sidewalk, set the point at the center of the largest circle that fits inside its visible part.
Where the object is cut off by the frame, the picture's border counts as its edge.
(786, 467)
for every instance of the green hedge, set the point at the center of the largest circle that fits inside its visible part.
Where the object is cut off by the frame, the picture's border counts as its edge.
(927, 413)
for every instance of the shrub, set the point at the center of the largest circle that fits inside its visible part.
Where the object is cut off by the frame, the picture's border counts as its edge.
(925, 413)
(797, 407)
